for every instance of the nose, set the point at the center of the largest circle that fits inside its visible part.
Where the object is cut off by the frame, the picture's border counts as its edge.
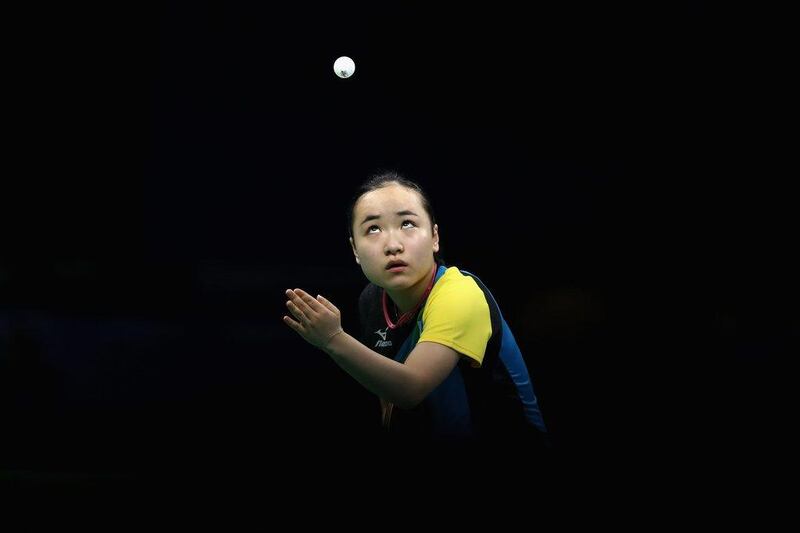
(393, 245)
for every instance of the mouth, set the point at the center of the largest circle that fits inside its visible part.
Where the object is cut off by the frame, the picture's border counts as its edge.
(396, 266)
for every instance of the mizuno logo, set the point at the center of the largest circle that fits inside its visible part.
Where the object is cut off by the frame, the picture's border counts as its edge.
(382, 343)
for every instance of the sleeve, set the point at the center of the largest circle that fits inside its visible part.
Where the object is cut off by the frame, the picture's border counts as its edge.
(459, 317)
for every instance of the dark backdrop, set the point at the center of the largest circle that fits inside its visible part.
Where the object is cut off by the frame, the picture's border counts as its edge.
(182, 165)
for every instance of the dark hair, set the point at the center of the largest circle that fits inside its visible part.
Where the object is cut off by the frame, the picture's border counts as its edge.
(382, 179)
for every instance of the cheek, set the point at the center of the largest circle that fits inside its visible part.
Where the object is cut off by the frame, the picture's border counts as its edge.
(369, 259)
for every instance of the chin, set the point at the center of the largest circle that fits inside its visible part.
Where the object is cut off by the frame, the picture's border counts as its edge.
(396, 283)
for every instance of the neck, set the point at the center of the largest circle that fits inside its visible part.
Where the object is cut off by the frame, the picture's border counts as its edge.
(407, 299)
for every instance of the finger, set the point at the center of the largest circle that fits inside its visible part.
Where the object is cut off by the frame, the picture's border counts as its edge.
(300, 299)
(297, 312)
(324, 301)
(309, 300)
(293, 324)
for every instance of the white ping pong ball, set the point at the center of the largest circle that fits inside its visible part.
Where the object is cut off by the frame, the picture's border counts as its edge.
(344, 67)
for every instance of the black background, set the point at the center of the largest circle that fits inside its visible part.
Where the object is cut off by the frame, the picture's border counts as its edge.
(178, 167)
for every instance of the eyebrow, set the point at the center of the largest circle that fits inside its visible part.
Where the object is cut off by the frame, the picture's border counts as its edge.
(399, 213)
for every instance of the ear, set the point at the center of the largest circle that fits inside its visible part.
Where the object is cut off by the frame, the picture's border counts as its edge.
(355, 253)
(436, 237)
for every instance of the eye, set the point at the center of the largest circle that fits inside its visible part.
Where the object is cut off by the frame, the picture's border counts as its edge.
(409, 222)
(369, 229)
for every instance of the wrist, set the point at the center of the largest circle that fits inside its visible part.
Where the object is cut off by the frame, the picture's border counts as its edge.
(327, 345)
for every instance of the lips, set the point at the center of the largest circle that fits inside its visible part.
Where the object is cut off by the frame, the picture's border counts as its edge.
(393, 264)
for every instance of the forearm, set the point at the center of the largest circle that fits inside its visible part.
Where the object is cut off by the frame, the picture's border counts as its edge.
(384, 377)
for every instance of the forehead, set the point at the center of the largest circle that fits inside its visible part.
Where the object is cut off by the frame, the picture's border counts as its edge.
(390, 198)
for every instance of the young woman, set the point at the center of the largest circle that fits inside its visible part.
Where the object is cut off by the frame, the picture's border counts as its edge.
(434, 346)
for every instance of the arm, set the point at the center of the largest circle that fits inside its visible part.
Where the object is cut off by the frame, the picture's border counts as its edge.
(406, 385)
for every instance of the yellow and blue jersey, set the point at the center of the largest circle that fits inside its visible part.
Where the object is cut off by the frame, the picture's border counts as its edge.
(489, 392)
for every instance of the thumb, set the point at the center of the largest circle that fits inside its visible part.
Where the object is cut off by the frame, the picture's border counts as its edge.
(321, 299)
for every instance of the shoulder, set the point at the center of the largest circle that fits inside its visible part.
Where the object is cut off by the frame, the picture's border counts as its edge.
(369, 303)
(369, 294)
(456, 287)
(457, 315)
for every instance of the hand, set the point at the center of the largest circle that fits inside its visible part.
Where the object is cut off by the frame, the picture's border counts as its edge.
(317, 319)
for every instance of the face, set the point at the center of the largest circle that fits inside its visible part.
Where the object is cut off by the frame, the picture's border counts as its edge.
(390, 224)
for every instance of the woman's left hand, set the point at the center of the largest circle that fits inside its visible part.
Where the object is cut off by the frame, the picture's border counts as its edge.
(316, 319)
